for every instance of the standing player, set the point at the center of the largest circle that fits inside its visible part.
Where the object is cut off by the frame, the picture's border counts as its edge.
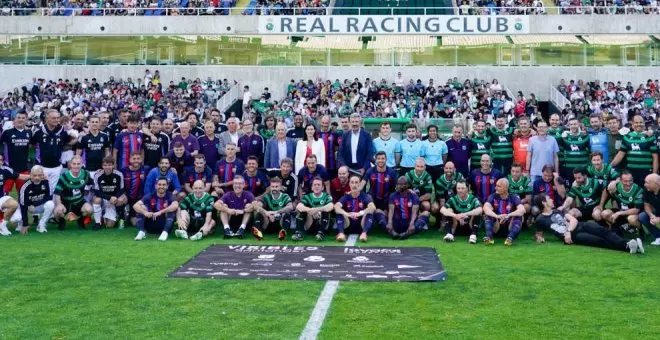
(50, 141)
(458, 151)
(503, 209)
(640, 152)
(588, 192)
(256, 181)
(628, 197)
(480, 144)
(386, 143)
(598, 136)
(381, 184)
(408, 150)
(156, 212)
(602, 172)
(483, 180)
(94, 146)
(127, 142)
(521, 141)
(17, 148)
(195, 215)
(314, 212)
(574, 150)
(501, 137)
(69, 194)
(403, 216)
(273, 209)
(34, 198)
(108, 194)
(421, 184)
(464, 210)
(134, 178)
(226, 170)
(198, 172)
(435, 153)
(156, 144)
(354, 211)
(555, 130)
(331, 143)
(235, 208)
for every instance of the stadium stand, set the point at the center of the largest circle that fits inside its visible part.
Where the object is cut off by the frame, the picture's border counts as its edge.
(616, 39)
(287, 7)
(120, 8)
(385, 7)
(334, 41)
(511, 7)
(544, 39)
(416, 42)
(607, 7)
(473, 40)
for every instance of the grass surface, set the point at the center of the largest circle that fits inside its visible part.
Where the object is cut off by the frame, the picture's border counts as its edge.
(88, 285)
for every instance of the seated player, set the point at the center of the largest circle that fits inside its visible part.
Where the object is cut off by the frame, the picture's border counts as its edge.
(314, 212)
(195, 214)
(354, 211)
(272, 210)
(307, 175)
(34, 198)
(199, 171)
(256, 181)
(70, 195)
(519, 185)
(134, 177)
(503, 209)
(164, 170)
(551, 185)
(8, 205)
(108, 194)
(629, 200)
(225, 171)
(421, 184)
(483, 180)
(603, 173)
(339, 186)
(568, 229)
(402, 214)
(235, 209)
(588, 192)
(650, 218)
(465, 210)
(381, 181)
(445, 188)
(156, 212)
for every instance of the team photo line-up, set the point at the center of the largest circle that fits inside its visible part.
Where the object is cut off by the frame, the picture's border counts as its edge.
(311, 180)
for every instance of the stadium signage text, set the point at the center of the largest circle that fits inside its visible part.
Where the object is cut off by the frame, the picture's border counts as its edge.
(394, 24)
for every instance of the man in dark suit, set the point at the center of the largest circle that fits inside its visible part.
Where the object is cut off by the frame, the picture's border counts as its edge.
(356, 149)
(278, 144)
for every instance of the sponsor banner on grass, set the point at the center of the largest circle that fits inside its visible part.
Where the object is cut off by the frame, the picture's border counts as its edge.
(314, 263)
(394, 24)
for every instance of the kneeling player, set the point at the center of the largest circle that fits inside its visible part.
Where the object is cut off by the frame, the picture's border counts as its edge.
(34, 199)
(156, 212)
(445, 188)
(588, 191)
(355, 211)
(503, 209)
(195, 215)
(464, 210)
(69, 194)
(273, 209)
(628, 197)
(421, 184)
(314, 212)
(108, 194)
(402, 219)
(235, 208)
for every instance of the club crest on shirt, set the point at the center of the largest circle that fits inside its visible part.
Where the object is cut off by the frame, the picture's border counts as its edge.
(360, 205)
(410, 204)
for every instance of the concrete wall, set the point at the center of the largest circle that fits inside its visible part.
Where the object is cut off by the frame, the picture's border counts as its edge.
(215, 25)
(527, 79)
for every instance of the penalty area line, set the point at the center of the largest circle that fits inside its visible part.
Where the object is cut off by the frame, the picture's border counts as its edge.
(313, 326)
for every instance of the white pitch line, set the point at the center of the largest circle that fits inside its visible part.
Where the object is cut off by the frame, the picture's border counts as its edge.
(313, 326)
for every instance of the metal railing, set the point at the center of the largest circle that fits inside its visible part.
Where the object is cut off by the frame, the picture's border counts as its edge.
(175, 11)
(226, 101)
(558, 98)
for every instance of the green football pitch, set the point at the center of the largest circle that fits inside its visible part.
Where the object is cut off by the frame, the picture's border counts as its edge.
(80, 284)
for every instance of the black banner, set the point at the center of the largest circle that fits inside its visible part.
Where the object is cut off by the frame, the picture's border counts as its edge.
(314, 263)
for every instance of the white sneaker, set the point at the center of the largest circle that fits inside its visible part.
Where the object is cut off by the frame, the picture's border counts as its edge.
(632, 246)
(473, 239)
(140, 236)
(18, 229)
(197, 236)
(41, 230)
(640, 245)
(163, 236)
(448, 238)
(656, 242)
(4, 231)
(181, 234)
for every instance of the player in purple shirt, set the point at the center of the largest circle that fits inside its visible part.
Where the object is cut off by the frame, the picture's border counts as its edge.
(381, 185)
(402, 217)
(459, 149)
(188, 140)
(503, 209)
(483, 180)
(197, 172)
(156, 212)
(126, 143)
(209, 144)
(235, 208)
(354, 210)
(256, 181)
(250, 144)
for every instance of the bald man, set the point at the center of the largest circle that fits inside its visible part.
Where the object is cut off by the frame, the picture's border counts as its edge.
(339, 185)
(503, 209)
(650, 217)
(421, 184)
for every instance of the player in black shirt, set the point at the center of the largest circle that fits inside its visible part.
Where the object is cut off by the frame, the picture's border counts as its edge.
(108, 194)
(155, 145)
(34, 198)
(118, 126)
(17, 148)
(94, 146)
(50, 140)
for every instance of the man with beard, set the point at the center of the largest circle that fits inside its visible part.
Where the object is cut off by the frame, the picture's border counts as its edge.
(164, 170)
(108, 194)
(156, 212)
(198, 172)
(156, 143)
(127, 142)
(256, 181)
(589, 193)
(639, 151)
(235, 209)
(480, 144)
(189, 141)
(17, 148)
(250, 144)
(574, 148)
(314, 212)
(403, 217)
(94, 146)
(464, 210)
(520, 185)
(521, 141)
(598, 137)
(501, 137)
(134, 178)
(629, 200)
(216, 118)
(209, 143)
(120, 125)
(483, 179)
(339, 185)
(649, 218)
(34, 198)
(195, 215)
(226, 170)
(50, 141)
(230, 136)
(381, 179)
(356, 148)
(298, 131)
(503, 209)
(308, 173)
(603, 173)
(273, 209)
(331, 143)
(69, 194)
(408, 150)
(354, 212)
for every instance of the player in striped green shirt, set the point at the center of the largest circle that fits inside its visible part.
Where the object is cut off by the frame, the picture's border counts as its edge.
(195, 215)
(421, 184)
(274, 208)
(465, 210)
(554, 129)
(574, 149)
(314, 212)
(519, 185)
(480, 142)
(587, 193)
(640, 152)
(628, 197)
(501, 138)
(604, 174)
(69, 194)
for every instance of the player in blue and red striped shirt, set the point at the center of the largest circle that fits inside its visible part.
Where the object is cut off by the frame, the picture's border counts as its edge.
(126, 143)
(355, 211)
(551, 185)
(225, 171)
(381, 181)
(199, 171)
(403, 220)
(156, 212)
(331, 143)
(483, 180)
(256, 182)
(503, 209)
(134, 177)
